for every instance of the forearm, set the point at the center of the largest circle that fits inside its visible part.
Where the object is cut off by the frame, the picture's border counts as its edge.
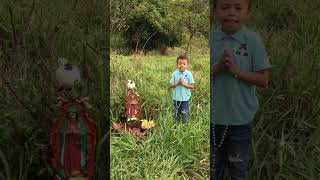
(260, 79)
(172, 85)
(190, 86)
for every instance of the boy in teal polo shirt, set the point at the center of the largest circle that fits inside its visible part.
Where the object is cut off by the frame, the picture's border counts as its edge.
(239, 63)
(181, 82)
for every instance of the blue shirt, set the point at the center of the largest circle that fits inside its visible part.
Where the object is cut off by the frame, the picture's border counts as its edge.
(233, 101)
(181, 93)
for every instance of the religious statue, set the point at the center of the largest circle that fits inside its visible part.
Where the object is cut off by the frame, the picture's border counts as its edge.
(73, 138)
(133, 106)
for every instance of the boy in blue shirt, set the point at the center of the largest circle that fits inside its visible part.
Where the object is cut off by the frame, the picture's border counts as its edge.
(181, 82)
(239, 63)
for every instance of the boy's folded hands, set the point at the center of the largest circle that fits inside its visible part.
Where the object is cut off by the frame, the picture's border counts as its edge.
(226, 64)
(227, 61)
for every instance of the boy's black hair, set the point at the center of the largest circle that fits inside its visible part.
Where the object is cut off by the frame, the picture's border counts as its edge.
(182, 56)
(216, 1)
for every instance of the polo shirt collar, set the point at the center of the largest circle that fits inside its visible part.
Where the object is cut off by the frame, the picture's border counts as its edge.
(184, 72)
(239, 36)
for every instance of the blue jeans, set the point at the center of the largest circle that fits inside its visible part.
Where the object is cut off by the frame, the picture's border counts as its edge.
(233, 153)
(181, 109)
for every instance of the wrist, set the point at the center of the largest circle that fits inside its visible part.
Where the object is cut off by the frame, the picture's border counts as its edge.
(236, 73)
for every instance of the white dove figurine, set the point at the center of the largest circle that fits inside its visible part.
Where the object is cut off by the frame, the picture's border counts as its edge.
(131, 85)
(66, 74)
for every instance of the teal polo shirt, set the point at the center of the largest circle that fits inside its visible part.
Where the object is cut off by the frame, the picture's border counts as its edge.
(181, 93)
(233, 101)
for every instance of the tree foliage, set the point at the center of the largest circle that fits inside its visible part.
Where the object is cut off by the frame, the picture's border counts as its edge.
(193, 17)
(145, 25)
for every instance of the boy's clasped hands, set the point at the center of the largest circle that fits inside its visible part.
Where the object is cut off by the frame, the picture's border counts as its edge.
(181, 82)
(226, 64)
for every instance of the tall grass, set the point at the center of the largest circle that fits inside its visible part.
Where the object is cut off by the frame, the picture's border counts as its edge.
(33, 34)
(286, 139)
(171, 151)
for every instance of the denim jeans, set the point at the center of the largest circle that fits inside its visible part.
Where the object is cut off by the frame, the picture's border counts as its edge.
(233, 153)
(181, 109)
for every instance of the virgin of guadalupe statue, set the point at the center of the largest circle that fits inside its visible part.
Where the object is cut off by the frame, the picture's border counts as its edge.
(73, 141)
(133, 108)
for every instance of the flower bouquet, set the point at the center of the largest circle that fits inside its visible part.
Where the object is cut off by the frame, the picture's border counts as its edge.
(147, 124)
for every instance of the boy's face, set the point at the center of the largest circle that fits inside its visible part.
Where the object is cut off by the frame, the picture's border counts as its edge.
(231, 14)
(182, 65)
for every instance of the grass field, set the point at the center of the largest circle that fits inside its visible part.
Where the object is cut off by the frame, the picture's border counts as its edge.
(33, 34)
(286, 143)
(172, 151)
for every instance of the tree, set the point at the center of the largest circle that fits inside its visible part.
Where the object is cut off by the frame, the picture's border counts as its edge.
(194, 16)
(145, 25)
(120, 10)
